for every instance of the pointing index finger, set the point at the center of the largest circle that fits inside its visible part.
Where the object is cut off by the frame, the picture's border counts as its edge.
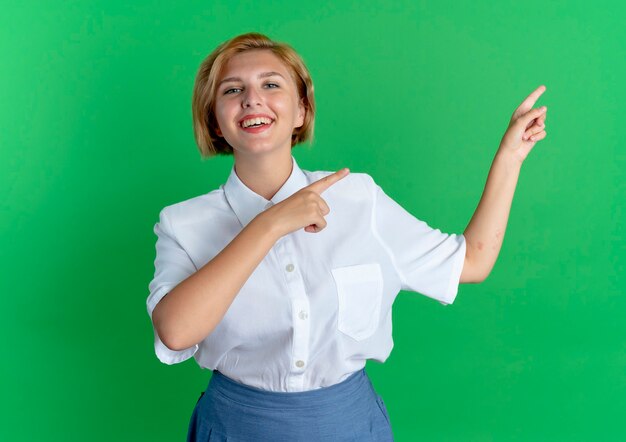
(530, 101)
(322, 184)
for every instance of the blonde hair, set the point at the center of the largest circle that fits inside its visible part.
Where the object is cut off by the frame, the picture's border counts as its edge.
(205, 91)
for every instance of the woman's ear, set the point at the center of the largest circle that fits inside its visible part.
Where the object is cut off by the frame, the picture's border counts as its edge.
(218, 132)
(301, 113)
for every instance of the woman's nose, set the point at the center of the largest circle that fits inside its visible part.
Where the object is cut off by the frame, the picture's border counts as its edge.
(251, 97)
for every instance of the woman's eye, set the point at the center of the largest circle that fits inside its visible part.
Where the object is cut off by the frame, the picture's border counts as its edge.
(228, 91)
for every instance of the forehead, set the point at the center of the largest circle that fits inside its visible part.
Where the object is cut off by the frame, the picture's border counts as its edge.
(252, 62)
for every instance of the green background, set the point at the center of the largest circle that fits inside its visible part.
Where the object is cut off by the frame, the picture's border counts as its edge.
(96, 138)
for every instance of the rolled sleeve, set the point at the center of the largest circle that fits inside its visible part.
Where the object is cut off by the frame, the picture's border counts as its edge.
(171, 266)
(427, 260)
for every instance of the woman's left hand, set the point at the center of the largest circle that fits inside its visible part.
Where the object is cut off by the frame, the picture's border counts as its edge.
(527, 126)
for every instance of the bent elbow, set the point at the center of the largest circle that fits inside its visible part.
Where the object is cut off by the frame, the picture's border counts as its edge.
(478, 276)
(174, 341)
(484, 277)
(159, 329)
(472, 272)
(475, 279)
(168, 341)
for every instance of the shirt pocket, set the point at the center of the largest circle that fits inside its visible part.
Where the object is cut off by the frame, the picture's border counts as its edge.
(359, 292)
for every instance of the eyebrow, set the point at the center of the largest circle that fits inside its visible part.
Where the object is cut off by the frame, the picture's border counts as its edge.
(261, 75)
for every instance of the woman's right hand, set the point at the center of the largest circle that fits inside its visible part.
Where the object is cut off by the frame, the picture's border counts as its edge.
(305, 208)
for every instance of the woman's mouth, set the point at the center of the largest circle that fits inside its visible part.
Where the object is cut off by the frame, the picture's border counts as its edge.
(256, 128)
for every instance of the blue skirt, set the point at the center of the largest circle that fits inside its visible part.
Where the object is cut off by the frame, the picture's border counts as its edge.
(348, 411)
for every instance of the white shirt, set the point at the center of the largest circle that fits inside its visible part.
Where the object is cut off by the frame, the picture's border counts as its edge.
(319, 304)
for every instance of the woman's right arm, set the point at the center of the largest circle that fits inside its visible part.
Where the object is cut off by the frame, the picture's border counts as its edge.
(190, 312)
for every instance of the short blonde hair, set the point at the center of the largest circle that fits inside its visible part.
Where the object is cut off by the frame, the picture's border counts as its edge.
(205, 91)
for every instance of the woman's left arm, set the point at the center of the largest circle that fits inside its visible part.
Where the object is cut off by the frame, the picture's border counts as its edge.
(485, 232)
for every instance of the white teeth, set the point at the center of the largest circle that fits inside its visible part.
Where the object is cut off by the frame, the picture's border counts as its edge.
(253, 121)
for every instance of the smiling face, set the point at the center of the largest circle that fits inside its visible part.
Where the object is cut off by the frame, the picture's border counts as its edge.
(257, 82)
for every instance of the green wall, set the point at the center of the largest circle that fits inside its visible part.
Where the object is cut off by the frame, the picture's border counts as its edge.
(96, 138)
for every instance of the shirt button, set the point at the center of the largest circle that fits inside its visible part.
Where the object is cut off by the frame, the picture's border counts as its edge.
(303, 314)
(300, 364)
(289, 267)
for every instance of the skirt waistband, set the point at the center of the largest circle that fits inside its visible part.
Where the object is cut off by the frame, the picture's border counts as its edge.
(252, 396)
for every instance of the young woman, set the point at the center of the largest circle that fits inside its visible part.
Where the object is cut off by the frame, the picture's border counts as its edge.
(285, 294)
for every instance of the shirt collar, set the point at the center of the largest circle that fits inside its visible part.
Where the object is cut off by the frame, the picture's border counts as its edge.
(247, 204)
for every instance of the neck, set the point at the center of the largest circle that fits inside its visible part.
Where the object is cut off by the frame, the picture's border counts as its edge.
(264, 174)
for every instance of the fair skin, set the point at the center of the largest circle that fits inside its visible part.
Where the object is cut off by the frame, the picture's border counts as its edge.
(485, 232)
(262, 160)
(190, 311)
